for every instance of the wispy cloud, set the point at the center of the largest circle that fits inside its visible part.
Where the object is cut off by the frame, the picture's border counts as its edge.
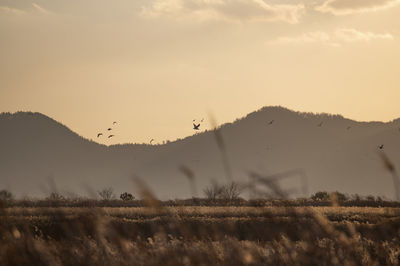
(29, 9)
(40, 9)
(352, 35)
(309, 37)
(228, 10)
(336, 38)
(6, 9)
(346, 7)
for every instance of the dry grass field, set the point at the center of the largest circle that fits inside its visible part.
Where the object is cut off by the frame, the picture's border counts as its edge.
(196, 235)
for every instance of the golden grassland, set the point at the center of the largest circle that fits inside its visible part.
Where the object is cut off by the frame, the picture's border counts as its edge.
(200, 235)
(208, 211)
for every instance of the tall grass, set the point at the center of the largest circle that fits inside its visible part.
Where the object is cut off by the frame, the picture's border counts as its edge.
(228, 235)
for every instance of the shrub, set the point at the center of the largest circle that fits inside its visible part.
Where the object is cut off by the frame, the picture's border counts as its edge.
(126, 196)
(5, 195)
(320, 196)
(106, 193)
(54, 196)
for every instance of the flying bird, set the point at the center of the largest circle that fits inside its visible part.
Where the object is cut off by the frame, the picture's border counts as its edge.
(99, 134)
(196, 127)
(270, 122)
(151, 141)
(110, 136)
(381, 147)
(114, 122)
(320, 124)
(109, 129)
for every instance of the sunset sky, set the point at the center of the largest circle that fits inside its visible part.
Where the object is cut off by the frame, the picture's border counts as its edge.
(155, 65)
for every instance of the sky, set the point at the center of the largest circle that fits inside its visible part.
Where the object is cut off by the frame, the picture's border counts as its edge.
(155, 65)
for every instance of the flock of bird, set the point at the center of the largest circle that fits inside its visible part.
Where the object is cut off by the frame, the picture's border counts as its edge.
(108, 129)
(197, 127)
(322, 122)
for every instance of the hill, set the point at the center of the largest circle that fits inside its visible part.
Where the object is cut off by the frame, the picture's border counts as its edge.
(39, 155)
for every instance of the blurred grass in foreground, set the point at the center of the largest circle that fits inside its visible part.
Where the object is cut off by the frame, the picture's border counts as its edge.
(179, 235)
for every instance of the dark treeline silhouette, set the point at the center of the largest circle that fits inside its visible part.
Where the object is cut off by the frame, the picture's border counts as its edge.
(108, 199)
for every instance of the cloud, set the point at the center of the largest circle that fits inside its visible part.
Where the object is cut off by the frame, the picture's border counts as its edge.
(40, 9)
(336, 38)
(352, 35)
(6, 9)
(29, 9)
(228, 10)
(346, 7)
(309, 37)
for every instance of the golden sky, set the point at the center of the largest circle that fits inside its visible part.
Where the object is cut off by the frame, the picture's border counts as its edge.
(155, 65)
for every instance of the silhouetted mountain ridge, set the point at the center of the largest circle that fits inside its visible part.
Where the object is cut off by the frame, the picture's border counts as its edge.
(336, 153)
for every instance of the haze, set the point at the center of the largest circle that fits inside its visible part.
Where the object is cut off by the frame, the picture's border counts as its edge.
(156, 65)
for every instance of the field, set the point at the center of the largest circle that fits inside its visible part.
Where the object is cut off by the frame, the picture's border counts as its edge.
(198, 235)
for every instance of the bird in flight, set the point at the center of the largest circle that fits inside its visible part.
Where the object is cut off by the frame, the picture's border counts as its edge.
(151, 141)
(110, 136)
(114, 122)
(109, 129)
(270, 122)
(99, 134)
(196, 127)
(381, 147)
(320, 124)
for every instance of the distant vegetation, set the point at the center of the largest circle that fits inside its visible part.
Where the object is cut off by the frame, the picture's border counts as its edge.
(214, 195)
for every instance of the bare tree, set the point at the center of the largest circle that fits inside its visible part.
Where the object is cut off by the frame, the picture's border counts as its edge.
(106, 193)
(213, 192)
(231, 191)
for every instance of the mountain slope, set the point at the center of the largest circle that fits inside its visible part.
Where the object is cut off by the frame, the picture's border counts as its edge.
(341, 154)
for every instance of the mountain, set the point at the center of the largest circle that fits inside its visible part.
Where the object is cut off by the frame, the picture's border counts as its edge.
(39, 155)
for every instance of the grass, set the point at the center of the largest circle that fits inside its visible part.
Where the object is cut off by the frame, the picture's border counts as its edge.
(199, 235)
